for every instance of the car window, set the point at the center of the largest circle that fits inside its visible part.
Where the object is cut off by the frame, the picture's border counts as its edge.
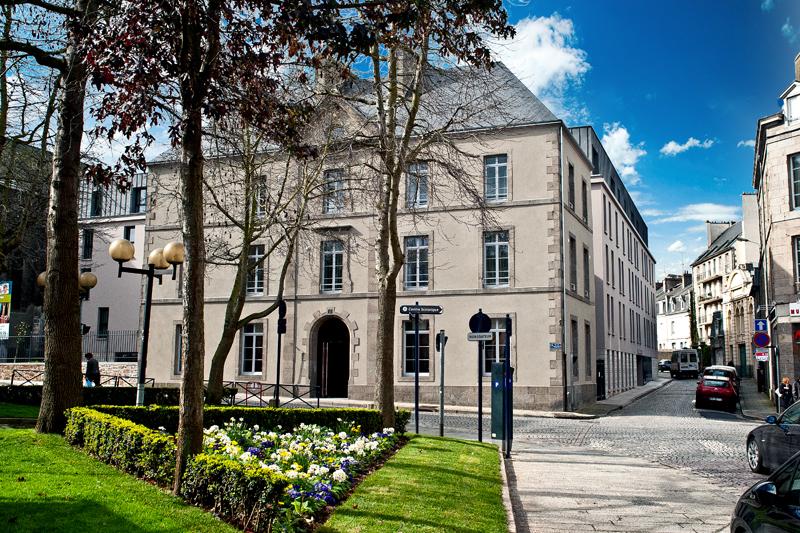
(791, 415)
(683, 358)
(784, 478)
(693, 357)
(715, 383)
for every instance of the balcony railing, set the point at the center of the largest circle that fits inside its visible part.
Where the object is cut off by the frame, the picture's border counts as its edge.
(111, 346)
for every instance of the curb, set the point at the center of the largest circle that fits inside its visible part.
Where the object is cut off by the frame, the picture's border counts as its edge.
(18, 422)
(512, 525)
(639, 397)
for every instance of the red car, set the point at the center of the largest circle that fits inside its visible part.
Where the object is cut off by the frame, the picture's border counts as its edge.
(715, 392)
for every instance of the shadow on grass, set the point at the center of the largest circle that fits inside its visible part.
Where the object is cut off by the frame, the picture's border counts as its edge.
(396, 519)
(427, 469)
(50, 515)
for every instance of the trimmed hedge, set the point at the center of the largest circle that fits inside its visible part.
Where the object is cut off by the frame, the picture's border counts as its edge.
(155, 417)
(32, 395)
(246, 496)
(131, 447)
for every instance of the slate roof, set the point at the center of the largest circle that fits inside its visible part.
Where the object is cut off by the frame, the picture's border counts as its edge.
(722, 243)
(471, 99)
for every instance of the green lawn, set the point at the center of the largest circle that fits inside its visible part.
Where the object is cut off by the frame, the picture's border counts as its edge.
(45, 485)
(431, 484)
(13, 410)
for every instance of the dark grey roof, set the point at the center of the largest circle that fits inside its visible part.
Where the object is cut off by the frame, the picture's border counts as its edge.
(722, 243)
(467, 98)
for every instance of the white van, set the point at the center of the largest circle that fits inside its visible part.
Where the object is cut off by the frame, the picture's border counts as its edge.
(685, 363)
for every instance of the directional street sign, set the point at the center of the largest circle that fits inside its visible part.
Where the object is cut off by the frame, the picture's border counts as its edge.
(421, 309)
(761, 325)
(480, 336)
(761, 339)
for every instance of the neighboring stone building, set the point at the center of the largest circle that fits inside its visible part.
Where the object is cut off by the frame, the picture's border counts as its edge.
(532, 261)
(113, 308)
(776, 178)
(723, 279)
(674, 307)
(625, 309)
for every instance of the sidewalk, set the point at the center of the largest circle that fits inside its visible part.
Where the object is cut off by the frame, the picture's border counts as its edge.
(755, 405)
(624, 399)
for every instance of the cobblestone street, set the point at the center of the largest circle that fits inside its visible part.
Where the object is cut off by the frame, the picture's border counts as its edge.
(656, 465)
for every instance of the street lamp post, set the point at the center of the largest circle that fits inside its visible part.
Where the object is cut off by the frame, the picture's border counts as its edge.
(121, 251)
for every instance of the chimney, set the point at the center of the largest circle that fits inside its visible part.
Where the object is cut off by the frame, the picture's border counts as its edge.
(715, 229)
(406, 66)
(797, 67)
(329, 76)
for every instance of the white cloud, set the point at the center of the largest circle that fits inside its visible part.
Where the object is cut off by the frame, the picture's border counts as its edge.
(652, 212)
(674, 148)
(697, 228)
(702, 212)
(767, 5)
(748, 143)
(676, 246)
(788, 31)
(544, 56)
(624, 155)
(641, 199)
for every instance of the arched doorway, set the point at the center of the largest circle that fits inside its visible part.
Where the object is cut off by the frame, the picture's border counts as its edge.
(333, 359)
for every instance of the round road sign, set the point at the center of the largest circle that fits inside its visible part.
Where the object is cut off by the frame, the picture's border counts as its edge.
(480, 322)
(761, 339)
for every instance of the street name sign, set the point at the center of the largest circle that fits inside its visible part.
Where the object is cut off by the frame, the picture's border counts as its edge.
(762, 356)
(794, 309)
(555, 346)
(480, 336)
(421, 309)
(761, 339)
(761, 325)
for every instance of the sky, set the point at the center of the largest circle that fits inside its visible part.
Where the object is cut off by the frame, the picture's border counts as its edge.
(674, 90)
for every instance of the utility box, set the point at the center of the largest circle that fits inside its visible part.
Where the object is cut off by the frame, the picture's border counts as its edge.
(497, 401)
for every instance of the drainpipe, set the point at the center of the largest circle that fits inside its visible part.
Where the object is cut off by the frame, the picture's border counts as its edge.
(564, 373)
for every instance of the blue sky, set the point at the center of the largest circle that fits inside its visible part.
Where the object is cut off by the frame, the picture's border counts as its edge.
(674, 88)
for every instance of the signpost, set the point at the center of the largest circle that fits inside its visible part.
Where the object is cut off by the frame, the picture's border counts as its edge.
(441, 341)
(414, 311)
(762, 356)
(5, 309)
(760, 325)
(480, 323)
(281, 331)
(508, 417)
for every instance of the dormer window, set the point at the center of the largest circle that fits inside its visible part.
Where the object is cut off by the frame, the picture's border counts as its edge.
(793, 108)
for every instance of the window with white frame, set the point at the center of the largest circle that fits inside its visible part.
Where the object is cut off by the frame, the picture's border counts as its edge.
(255, 274)
(333, 191)
(177, 345)
(573, 264)
(494, 351)
(138, 200)
(129, 234)
(495, 174)
(571, 185)
(417, 185)
(416, 267)
(252, 349)
(794, 171)
(796, 245)
(261, 196)
(332, 261)
(495, 258)
(409, 344)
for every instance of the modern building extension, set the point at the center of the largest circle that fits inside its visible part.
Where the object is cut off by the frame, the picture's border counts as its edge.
(625, 308)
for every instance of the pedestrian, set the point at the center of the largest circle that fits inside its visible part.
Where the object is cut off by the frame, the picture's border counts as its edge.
(92, 370)
(785, 394)
(796, 389)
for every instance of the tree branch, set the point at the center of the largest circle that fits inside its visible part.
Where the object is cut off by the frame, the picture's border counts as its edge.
(43, 57)
(55, 8)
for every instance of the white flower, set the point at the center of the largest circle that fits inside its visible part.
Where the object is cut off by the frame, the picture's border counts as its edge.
(323, 470)
(339, 475)
(342, 435)
(255, 427)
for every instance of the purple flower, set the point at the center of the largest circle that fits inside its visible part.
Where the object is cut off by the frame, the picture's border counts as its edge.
(255, 451)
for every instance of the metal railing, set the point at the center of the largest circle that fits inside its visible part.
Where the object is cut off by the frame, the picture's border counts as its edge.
(111, 346)
(260, 394)
(35, 377)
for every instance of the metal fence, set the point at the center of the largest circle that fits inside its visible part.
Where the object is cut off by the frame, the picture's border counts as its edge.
(112, 346)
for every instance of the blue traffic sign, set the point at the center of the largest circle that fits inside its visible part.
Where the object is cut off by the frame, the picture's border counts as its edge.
(761, 325)
(761, 339)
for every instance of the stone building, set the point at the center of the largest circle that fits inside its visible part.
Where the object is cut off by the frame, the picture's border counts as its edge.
(532, 260)
(674, 308)
(723, 279)
(776, 179)
(624, 278)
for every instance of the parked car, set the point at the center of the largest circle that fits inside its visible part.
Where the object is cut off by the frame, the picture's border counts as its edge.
(716, 392)
(724, 371)
(664, 365)
(771, 504)
(684, 363)
(773, 443)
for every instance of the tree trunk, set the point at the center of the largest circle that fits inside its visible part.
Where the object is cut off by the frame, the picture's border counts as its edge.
(384, 390)
(233, 311)
(62, 347)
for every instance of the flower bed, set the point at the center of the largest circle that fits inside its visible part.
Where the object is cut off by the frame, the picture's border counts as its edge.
(319, 463)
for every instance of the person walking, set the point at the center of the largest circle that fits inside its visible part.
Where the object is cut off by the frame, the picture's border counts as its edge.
(796, 389)
(92, 370)
(785, 393)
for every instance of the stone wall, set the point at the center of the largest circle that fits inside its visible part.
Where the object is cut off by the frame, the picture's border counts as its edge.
(106, 369)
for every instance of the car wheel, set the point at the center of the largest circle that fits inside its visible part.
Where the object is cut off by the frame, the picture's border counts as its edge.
(754, 459)
(697, 403)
